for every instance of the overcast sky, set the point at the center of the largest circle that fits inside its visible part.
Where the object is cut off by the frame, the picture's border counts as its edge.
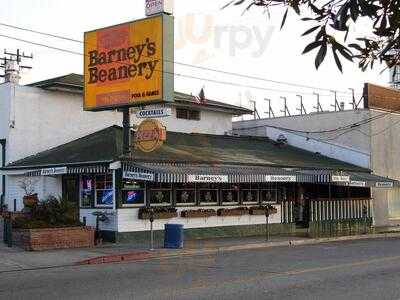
(204, 36)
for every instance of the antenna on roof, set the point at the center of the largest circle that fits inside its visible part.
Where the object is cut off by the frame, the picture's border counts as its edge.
(302, 109)
(336, 105)
(270, 110)
(285, 107)
(12, 65)
(255, 112)
(318, 107)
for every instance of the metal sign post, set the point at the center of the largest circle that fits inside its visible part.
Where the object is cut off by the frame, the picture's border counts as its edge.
(267, 224)
(151, 229)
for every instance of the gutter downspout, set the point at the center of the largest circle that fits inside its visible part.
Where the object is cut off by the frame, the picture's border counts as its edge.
(3, 180)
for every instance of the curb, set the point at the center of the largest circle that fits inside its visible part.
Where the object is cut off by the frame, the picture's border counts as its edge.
(140, 256)
(134, 256)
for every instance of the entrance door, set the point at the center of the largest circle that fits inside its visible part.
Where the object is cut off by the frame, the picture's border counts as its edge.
(70, 189)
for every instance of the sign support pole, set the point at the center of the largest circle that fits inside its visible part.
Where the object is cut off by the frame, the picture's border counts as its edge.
(126, 127)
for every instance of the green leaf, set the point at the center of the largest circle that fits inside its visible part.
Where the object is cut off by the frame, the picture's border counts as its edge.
(320, 56)
(312, 46)
(312, 29)
(284, 18)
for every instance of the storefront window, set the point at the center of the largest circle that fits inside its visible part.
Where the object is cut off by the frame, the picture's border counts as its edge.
(208, 194)
(133, 193)
(185, 194)
(160, 193)
(230, 194)
(104, 190)
(269, 193)
(86, 190)
(249, 193)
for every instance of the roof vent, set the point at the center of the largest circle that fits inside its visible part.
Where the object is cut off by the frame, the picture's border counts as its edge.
(282, 140)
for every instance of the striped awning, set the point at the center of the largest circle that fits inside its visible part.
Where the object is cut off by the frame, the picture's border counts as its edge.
(182, 173)
(73, 170)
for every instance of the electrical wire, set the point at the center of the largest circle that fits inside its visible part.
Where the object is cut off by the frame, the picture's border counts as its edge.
(186, 64)
(166, 72)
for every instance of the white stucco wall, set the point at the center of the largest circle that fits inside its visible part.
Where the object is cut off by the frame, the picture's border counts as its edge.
(318, 122)
(43, 186)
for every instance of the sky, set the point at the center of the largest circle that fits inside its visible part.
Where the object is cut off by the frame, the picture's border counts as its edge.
(250, 44)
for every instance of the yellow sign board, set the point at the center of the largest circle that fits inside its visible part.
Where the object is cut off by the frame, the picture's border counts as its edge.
(150, 135)
(129, 64)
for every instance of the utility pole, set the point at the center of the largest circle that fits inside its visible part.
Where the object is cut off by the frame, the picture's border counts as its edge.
(302, 109)
(318, 107)
(12, 65)
(285, 107)
(270, 111)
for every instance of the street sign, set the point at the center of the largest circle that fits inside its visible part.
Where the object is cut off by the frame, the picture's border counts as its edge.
(154, 113)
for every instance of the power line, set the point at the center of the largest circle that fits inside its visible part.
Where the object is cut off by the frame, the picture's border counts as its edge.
(185, 64)
(166, 72)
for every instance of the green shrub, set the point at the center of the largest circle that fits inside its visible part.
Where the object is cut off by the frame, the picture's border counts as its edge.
(51, 213)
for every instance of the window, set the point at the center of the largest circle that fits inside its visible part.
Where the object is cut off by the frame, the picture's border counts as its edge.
(208, 194)
(187, 114)
(104, 190)
(160, 194)
(249, 193)
(133, 193)
(269, 193)
(185, 194)
(86, 191)
(230, 194)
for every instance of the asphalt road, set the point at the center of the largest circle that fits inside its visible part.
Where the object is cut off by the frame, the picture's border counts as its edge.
(367, 269)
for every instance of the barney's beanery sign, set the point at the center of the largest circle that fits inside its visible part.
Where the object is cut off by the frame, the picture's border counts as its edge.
(129, 64)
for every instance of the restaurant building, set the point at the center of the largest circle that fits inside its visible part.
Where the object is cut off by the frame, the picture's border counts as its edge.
(201, 176)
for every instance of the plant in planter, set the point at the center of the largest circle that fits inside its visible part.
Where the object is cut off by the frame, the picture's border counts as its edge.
(262, 210)
(51, 213)
(198, 213)
(159, 213)
(238, 211)
(28, 185)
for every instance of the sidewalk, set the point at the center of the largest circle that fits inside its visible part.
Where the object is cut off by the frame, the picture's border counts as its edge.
(14, 259)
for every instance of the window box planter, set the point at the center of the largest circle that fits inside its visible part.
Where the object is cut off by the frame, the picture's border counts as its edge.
(159, 213)
(200, 213)
(227, 212)
(260, 210)
(53, 238)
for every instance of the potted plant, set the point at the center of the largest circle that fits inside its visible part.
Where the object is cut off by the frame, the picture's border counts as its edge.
(159, 213)
(238, 211)
(198, 213)
(28, 185)
(262, 210)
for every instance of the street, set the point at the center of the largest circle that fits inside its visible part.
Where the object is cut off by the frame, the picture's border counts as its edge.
(368, 269)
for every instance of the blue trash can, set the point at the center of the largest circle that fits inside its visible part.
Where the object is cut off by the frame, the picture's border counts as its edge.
(173, 236)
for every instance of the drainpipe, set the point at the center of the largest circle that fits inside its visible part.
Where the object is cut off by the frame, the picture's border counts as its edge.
(3, 164)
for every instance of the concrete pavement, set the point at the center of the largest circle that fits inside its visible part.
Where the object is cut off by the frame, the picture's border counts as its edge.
(12, 259)
(362, 269)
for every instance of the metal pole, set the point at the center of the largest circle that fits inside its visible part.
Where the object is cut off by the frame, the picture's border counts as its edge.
(126, 125)
(267, 224)
(151, 229)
